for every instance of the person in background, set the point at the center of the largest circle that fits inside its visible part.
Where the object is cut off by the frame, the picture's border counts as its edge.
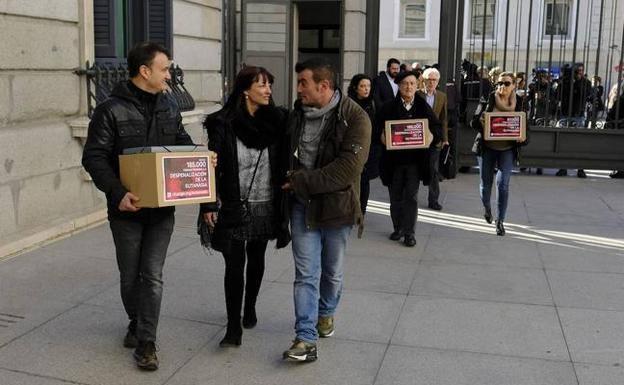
(246, 135)
(359, 91)
(437, 100)
(384, 87)
(496, 155)
(615, 117)
(579, 89)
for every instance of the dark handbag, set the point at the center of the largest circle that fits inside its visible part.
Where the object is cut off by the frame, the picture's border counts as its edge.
(236, 213)
(447, 166)
(204, 232)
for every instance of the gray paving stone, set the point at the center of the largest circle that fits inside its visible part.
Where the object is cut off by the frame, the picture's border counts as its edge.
(412, 366)
(483, 250)
(600, 291)
(487, 283)
(68, 278)
(497, 328)
(594, 336)
(84, 345)
(19, 315)
(599, 375)
(258, 361)
(18, 378)
(382, 274)
(581, 258)
(93, 243)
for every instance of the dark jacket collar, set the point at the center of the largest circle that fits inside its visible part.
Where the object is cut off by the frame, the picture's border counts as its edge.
(122, 90)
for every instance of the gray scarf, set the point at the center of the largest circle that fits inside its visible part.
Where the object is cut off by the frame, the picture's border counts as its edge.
(314, 123)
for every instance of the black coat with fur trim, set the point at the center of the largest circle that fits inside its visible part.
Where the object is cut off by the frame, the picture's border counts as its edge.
(264, 130)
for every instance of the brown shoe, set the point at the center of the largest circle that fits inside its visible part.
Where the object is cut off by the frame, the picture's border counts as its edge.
(145, 356)
(325, 326)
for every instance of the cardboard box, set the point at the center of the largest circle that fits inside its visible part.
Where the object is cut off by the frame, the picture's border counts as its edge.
(504, 126)
(408, 134)
(162, 179)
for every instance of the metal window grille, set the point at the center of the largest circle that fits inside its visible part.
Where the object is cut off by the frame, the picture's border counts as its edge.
(102, 78)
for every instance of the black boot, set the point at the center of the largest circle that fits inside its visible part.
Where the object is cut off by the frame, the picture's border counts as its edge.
(249, 317)
(233, 335)
(488, 215)
(500, 229)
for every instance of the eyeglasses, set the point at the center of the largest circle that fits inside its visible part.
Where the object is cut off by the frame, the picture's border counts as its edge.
(432, 79)
(506, 84)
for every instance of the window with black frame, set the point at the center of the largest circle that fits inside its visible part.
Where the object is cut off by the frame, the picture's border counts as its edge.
(118, 26)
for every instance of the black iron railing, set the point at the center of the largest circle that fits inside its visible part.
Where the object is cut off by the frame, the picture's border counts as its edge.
(102, 78)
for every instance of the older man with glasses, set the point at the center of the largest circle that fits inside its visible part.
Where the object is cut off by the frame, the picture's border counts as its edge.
(438, 102)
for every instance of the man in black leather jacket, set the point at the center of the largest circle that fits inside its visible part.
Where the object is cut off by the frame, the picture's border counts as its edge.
(138, 113)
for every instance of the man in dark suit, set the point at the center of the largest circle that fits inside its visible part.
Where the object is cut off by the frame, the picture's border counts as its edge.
(438, 102)
(384, 87)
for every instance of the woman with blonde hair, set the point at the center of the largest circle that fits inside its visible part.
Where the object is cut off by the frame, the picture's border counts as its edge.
(496, 155)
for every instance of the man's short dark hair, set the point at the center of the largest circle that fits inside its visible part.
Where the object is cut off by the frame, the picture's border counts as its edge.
(392, 61)
(143, 54)
(321, 69)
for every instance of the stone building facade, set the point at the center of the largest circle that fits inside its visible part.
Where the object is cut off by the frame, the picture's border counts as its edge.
(44, 191)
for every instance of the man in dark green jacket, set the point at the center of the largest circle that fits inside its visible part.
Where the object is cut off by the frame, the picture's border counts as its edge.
(329, 137)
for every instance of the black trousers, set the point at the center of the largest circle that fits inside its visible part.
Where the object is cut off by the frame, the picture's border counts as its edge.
(404, 198)
(141, 249)
(364, 192)
(251, 252)
(434, 184)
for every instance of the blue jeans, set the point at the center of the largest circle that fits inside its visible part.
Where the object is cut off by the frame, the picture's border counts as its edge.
(488, 161)
(318, 255)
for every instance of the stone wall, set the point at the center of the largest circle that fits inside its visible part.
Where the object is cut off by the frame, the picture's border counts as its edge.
(44, 191)
(197, 49)
(40, 177)
(354, 39)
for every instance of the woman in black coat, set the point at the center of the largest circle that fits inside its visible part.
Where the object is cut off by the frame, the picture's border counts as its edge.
(246, 135)
(360, 91)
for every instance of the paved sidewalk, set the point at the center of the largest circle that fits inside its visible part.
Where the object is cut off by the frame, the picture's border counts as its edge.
(543, 305)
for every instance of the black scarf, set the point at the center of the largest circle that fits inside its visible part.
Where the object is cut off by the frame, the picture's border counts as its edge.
(259, 131)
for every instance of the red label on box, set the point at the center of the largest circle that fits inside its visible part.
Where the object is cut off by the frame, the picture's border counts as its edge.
(505, 126)
(186, 177)
(408, 134)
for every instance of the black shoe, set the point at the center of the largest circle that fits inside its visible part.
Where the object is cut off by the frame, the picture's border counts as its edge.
(396, 236)
(131, 340)
(488, 215)
(409, 241)
(617, 174)
(562, 172)
(539, 171)
(580, 173)
(500, 229)
(435, 206)
(249, 319)
(145, 356)
(232, 338)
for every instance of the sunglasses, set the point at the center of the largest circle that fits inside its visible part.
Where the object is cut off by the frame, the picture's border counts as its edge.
(506, 84)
